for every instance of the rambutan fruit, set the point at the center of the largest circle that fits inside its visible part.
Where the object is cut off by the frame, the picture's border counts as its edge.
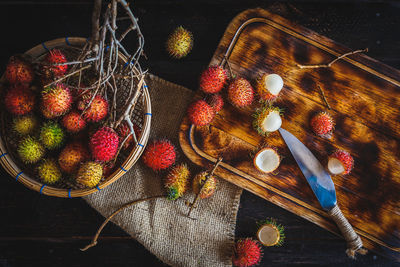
(216, 102)
(72, 156)
(51, 135)
(97, 110)
(209, 187)
(19, 71)
(19, 100)
(240, 92)
(247, 252)
(267, 160)
(24, 125)
(123, 131)
(89, 174)
(340, 162)
(179, 43)
(200, 113)
(49, 172)
(56, 101)
(268, 86)
(213, 79)
(270, 233)
(159, 155)
(322, 124)
(73, 122)
(54, 57)
(30, 150)
(104, 144)
(177, 181)
(267, 119)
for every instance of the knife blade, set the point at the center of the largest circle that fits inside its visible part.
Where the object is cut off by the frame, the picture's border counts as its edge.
(324, 189)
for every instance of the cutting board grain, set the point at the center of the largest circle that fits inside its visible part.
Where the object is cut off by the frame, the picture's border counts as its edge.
(365, 98)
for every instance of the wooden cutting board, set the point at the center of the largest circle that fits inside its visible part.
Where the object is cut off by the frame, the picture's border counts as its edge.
(365, 98)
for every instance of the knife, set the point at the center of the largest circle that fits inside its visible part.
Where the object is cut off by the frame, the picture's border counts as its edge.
(322, 185)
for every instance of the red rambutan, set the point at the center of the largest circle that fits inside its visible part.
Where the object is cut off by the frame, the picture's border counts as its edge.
(56, 101)
(55, 56)
(247, 252)
(240, 92)
(73, 122)
(216, 102)
(19, 101)
(322, 124)
(200, 113)
(104, 144)
(123, 131)
(340, 162)
(97, 110)
(19, 71)
(159, 155)
(213, 79)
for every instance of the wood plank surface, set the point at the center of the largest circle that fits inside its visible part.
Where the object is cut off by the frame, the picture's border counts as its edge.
(365, 98)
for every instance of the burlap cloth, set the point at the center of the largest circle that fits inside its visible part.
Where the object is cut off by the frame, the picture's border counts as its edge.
(161, 225)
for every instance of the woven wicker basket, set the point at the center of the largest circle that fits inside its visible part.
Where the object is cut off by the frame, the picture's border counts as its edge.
(11, 163)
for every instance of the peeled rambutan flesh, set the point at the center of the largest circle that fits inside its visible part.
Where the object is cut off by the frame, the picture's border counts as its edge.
(19, 100)
(267, 119)
(267, 160)
(179, 43)
(73, 122)
(54, 57)
(104, 144)
(97, 110)
(247, 252)
(216, 102)
(203, 186)
(72, 156)
(30, 150)
(322, 124)
(124, 130)
(49, 172)
(213, 79)
(51, 135)
(200, 113)
(19, 71)
(177, 181)
(268, 86)
(240, 92)
(159, 155)
(56, 101)
(340, 162)
(89, 174)
(24, 125)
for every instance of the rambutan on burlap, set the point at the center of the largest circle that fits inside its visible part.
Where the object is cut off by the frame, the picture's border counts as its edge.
(162, 225)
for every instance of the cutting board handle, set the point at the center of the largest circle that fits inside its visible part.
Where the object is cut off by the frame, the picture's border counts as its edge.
(354, 243)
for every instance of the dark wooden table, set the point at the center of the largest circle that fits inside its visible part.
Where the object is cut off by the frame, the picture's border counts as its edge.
(37, 230)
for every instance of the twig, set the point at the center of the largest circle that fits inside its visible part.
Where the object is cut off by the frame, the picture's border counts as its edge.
(96, 24)
(323, 96)
(332, 62)
(94, 240)
(192, 205)
(68, 75)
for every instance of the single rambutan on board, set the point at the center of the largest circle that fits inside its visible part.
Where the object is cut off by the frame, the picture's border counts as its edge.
(322, 124)
(55, 56)
(159, 155)
(268, 86)
(179, 43)
(200, 113)
(123, 131)
(19, 100)
(73, 122)
(104, 144)
(209, 187)
(97, 110)
(267, 119)
(72, 156)
(216, 102)
(267, 160)
(247, 252)
(56, 101)
(19, 71)
(177, 181)
(89, 174)
(240, 92)
(213, 79)
(340, 162)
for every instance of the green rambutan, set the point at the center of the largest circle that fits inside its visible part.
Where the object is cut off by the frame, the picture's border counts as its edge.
(123, 131)
(104, 144)
(159, 154)
(49, 172)
(73, 122)
(19, 100)
(240, 92)
(267, 119)
(268, 86)
(30, 150)
(19, 71)
(213, 79)
(72, 156)
(247, 252)
(24, 125)
(51, 135)
(89, 174)
(270, 233)
(200, 113)
(209, 188)
(54, 57)
(97, 110)
(56, 101)
(177, 181)
(322, 124)
(179, 43)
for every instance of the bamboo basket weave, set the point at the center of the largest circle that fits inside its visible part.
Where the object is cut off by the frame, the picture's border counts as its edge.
(8, 154)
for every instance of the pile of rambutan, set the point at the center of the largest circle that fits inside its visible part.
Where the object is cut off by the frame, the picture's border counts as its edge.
(61, 133)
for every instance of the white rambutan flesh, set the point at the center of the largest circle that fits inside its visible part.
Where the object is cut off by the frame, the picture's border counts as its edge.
(335, 166)
(268, 235)
(273, 83)
(267, 160)
(272, 122)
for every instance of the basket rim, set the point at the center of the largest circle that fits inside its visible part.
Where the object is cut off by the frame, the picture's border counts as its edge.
(12, 168)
